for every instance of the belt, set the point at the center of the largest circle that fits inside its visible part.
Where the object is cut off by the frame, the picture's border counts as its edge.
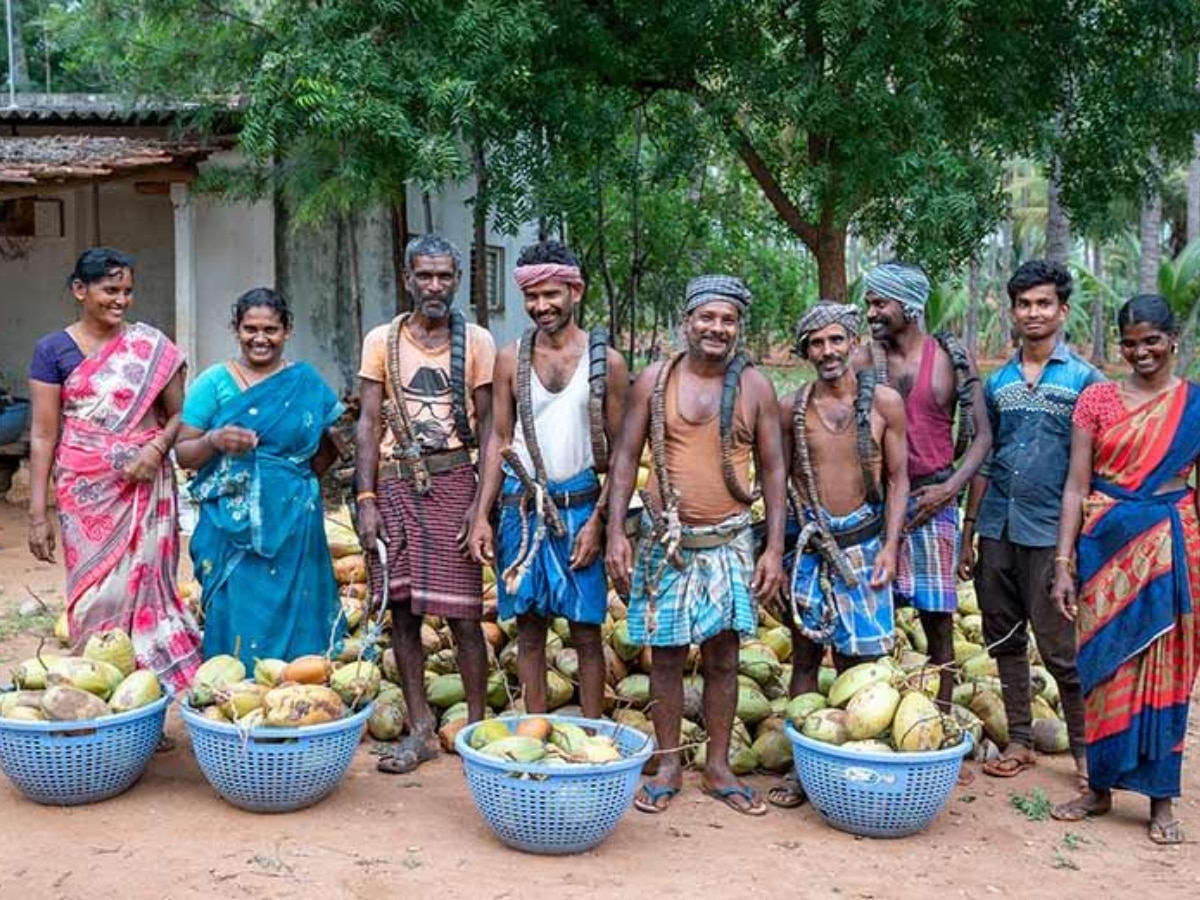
(706, 541)
(941, 475)
(860, 534)
(565, 500)
(435, 464)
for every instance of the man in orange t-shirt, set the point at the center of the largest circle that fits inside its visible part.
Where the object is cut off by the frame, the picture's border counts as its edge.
(426, 388)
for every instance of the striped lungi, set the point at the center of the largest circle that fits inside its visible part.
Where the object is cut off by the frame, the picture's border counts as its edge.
(926, 576)
(425, 568)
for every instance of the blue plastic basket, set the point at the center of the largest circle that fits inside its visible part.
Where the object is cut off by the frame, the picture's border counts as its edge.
(274, 769)
(876, 794)
(70, 763)
(555, 809)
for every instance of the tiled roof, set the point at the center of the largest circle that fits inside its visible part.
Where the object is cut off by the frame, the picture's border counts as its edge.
(94, 109)
(56, 158)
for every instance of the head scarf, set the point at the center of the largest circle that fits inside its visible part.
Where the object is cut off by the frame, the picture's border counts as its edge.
(824, 314)
(904, 283)
(528, 276)
(706, 288)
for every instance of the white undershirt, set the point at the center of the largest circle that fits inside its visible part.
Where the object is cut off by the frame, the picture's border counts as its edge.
(561, 423)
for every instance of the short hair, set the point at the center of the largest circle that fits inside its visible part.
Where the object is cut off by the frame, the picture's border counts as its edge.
(262, 297)
(1034, 272)
(431, 245)
(97, 263)
(544, 252)
(1148, 309)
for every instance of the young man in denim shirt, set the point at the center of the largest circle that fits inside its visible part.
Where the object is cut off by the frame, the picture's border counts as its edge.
(1014, 505)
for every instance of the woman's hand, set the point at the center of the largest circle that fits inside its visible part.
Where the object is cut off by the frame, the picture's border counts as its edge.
(41, 540)
(1063, 593)
(232, 439)
(145, 466)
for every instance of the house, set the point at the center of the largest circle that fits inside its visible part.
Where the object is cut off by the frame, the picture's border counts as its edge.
(81, 170)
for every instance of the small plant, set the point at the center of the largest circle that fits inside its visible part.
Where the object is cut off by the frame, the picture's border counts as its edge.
(1034, 805)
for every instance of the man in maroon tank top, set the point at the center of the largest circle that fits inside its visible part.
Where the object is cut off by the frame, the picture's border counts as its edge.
(920, 367)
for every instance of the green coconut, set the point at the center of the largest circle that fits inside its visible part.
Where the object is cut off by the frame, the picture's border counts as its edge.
(138, 689)
(1050, 736)
(802, 705)
(989, 707)
(31, 674)
(214, 674)
(752, 706)
(855, 679)
(568, 738)
(241, 698)
(870, 711)
(621, 643)
(488, 731)
(634, 690)
(917, 725)
(826, 676)
(446, 690)
(386, 722)
(91, 675)
(267, 672)
(113, 647)
(779, 640)
(516, 749)
(774, 750)
(357, 683)
(558, 690)
(497, 690)
(827, 726)
(567, 663)
(11, 700)
(759, 663)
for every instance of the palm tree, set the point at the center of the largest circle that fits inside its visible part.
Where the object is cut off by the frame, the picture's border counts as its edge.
(1179, 283)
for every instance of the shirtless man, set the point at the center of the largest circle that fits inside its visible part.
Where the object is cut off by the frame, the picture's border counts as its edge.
(833, 432)
(934, 376)
(546, 411)
(696, 580)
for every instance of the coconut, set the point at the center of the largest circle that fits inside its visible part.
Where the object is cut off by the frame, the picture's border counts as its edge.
(972, 627)
(386, 722)
(357, 683)
(91, 675)
(743, 760)
(773, 749)
(693, 696)
(516, 749)
(214, 714)
(1050, 736)
(113, 647)
(967, 721)
(62, 629)
(802, 705)
(443, 662)
(926, 680)
(826, 725)
(391, 671)
(779, 639)
(558, 690)
(431, 641)
(446, 690)
(11, 700)
(298, 705)
(633, 718)
(964, 650)
(1040, 709)
(488, 731)
(917, 725)
(968, 602)
(752, 706)
(1043, 683)
(213, 674)
(980, 666)
(449, 731)
(634, 689)
(497, 690)
(65, 703)
(868, 746)
(621, 643)
(140, 688)
(990, 708)
(600, 749)
(759, 663)
(567, 663)
(31, 674)
(870, 711)
(24, 714)
(241, 698)
(568, 738)
(855, 679)
(508, 659)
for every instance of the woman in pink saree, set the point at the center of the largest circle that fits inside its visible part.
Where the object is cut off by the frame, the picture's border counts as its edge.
(107, 395)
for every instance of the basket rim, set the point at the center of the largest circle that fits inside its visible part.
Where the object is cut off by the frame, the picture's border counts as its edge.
(194, 719)
(921, 757)
(113, 721)
(574, 770)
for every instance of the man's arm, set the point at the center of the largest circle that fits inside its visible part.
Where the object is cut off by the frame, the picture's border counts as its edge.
(895, 463)
(622, 474)
(768, 573)
(366, 460)
(490, 472)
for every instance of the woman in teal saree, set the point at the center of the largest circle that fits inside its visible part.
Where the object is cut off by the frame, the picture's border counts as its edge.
(256, 429)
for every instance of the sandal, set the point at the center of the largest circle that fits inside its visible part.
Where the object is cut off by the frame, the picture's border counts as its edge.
(648, 795)
(1008, 766)
(788, 794)
(751, 804)
(1082, 807)
(409, 753)
(1166, 833)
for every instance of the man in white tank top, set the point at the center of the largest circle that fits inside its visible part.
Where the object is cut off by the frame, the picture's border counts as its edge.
(559, 396)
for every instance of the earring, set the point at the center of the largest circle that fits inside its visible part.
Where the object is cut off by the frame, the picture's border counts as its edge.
(1175, 347)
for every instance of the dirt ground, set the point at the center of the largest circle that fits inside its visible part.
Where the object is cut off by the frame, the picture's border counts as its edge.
(170, 836)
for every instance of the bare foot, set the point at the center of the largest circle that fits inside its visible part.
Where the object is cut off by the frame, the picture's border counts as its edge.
(1088, 803)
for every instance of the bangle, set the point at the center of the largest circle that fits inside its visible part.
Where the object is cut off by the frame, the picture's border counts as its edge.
(364, 495)
(157, 448)
(967, 519)
(208, 438)
(1065, 560)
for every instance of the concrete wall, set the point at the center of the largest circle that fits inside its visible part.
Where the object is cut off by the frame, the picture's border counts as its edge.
(34, 299)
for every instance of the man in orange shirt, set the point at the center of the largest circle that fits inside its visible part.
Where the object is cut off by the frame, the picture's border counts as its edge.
(706, 413)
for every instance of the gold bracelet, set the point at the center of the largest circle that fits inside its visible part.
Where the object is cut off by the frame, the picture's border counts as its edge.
(1065, 560)
(364, 495)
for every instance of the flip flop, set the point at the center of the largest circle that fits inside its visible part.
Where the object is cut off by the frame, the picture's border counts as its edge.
(1007, 766)
(1078, 809)
(788, 794)
(754, 805)
(1166, 833)
(648, 795)
(409, 754)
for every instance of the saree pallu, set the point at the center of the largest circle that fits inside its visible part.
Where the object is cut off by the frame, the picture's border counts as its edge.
(259, 549)
(1138, 636)
(120, 538)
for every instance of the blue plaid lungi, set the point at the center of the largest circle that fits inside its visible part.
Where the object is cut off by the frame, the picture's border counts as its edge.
(550, 587)
(925, 573)
(863, 621)
(673, 608)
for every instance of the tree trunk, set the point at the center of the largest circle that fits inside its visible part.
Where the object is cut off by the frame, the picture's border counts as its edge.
(20, 68)
(1099, 310)
(1193, 192)
(479, 211)
(1058, 226)
(399, 242)
(356, 306)
(635, 217)
(831, 262)
(1150, 237)
(974, 288)
(1006, 260)
(427, 212)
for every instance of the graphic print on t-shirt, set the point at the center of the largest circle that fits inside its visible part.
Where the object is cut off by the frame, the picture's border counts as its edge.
(429, 399)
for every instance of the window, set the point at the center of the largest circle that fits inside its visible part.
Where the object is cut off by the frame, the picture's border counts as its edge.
(494, 276)
(17, 218)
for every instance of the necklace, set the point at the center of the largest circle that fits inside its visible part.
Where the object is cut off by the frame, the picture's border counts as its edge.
(840, 429)
(248, 377)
